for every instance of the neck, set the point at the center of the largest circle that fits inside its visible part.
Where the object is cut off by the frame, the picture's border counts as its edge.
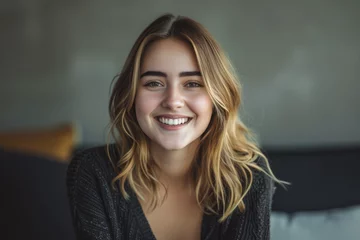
(175, 166)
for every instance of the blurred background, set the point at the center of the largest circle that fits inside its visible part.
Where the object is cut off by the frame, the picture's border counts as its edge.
(298, 61)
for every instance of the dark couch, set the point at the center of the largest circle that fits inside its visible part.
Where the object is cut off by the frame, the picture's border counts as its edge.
(321, 179)
(33, 199)
(323, 202)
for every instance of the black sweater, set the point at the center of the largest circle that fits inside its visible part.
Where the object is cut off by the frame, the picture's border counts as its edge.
(99, 212)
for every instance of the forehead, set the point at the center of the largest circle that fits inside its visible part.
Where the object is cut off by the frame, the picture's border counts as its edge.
(169, 55)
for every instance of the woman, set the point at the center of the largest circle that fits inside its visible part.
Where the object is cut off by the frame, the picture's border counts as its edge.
(183, 165)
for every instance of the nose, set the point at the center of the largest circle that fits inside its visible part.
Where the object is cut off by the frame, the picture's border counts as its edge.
(173, 98)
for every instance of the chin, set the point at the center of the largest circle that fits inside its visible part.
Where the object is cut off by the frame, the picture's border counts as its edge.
(172, 147)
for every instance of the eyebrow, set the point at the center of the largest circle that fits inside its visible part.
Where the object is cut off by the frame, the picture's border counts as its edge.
(162, 74)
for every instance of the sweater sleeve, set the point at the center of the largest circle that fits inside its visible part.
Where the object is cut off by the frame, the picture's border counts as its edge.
(84, 183)
(254, 223)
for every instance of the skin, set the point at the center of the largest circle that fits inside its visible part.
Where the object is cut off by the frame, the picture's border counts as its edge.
(176, 87)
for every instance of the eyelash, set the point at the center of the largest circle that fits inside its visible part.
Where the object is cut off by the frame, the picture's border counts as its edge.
(151, 84)
(198, 84)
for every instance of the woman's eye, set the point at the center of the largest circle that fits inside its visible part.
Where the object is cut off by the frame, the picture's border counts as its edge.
(153, 84)
(193, 84)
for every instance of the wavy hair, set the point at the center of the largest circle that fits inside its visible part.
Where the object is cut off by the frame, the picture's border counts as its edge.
(227, 153)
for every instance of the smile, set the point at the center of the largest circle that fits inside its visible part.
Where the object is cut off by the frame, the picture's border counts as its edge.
(173, 121)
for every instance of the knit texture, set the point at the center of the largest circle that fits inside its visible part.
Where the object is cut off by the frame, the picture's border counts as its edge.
(99, 212)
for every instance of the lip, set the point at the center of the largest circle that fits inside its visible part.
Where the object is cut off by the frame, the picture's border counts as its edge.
(171, 116)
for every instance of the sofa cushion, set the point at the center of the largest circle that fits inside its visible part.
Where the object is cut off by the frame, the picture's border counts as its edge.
(330, 225)
(55, 142)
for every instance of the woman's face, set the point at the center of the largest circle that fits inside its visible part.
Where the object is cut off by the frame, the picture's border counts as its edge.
(172, 105)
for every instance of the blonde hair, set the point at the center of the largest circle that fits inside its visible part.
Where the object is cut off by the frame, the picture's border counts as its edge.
(222, 169)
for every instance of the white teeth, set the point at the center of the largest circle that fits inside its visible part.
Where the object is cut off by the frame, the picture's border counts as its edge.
(173, 122)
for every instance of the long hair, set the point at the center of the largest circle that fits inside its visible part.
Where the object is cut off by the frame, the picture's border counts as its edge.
(227, 153)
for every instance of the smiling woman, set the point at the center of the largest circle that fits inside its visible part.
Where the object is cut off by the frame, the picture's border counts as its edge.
(174, 92)
(183, 165)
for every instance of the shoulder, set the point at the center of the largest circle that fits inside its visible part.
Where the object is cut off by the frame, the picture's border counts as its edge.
(90, 164)
(263, 184)
(262, 177)
(95, 156)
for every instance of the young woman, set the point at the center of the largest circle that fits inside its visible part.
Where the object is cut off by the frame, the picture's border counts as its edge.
(183, 165)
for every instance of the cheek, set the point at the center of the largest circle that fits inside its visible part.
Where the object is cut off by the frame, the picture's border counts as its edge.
(202, 106)
(145, 104)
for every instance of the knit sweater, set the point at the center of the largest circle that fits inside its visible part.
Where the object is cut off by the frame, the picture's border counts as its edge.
(99, 212)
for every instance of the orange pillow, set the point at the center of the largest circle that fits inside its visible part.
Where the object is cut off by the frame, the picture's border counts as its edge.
(57, 142)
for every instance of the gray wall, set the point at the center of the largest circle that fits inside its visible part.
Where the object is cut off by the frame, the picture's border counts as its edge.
(299, 62)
